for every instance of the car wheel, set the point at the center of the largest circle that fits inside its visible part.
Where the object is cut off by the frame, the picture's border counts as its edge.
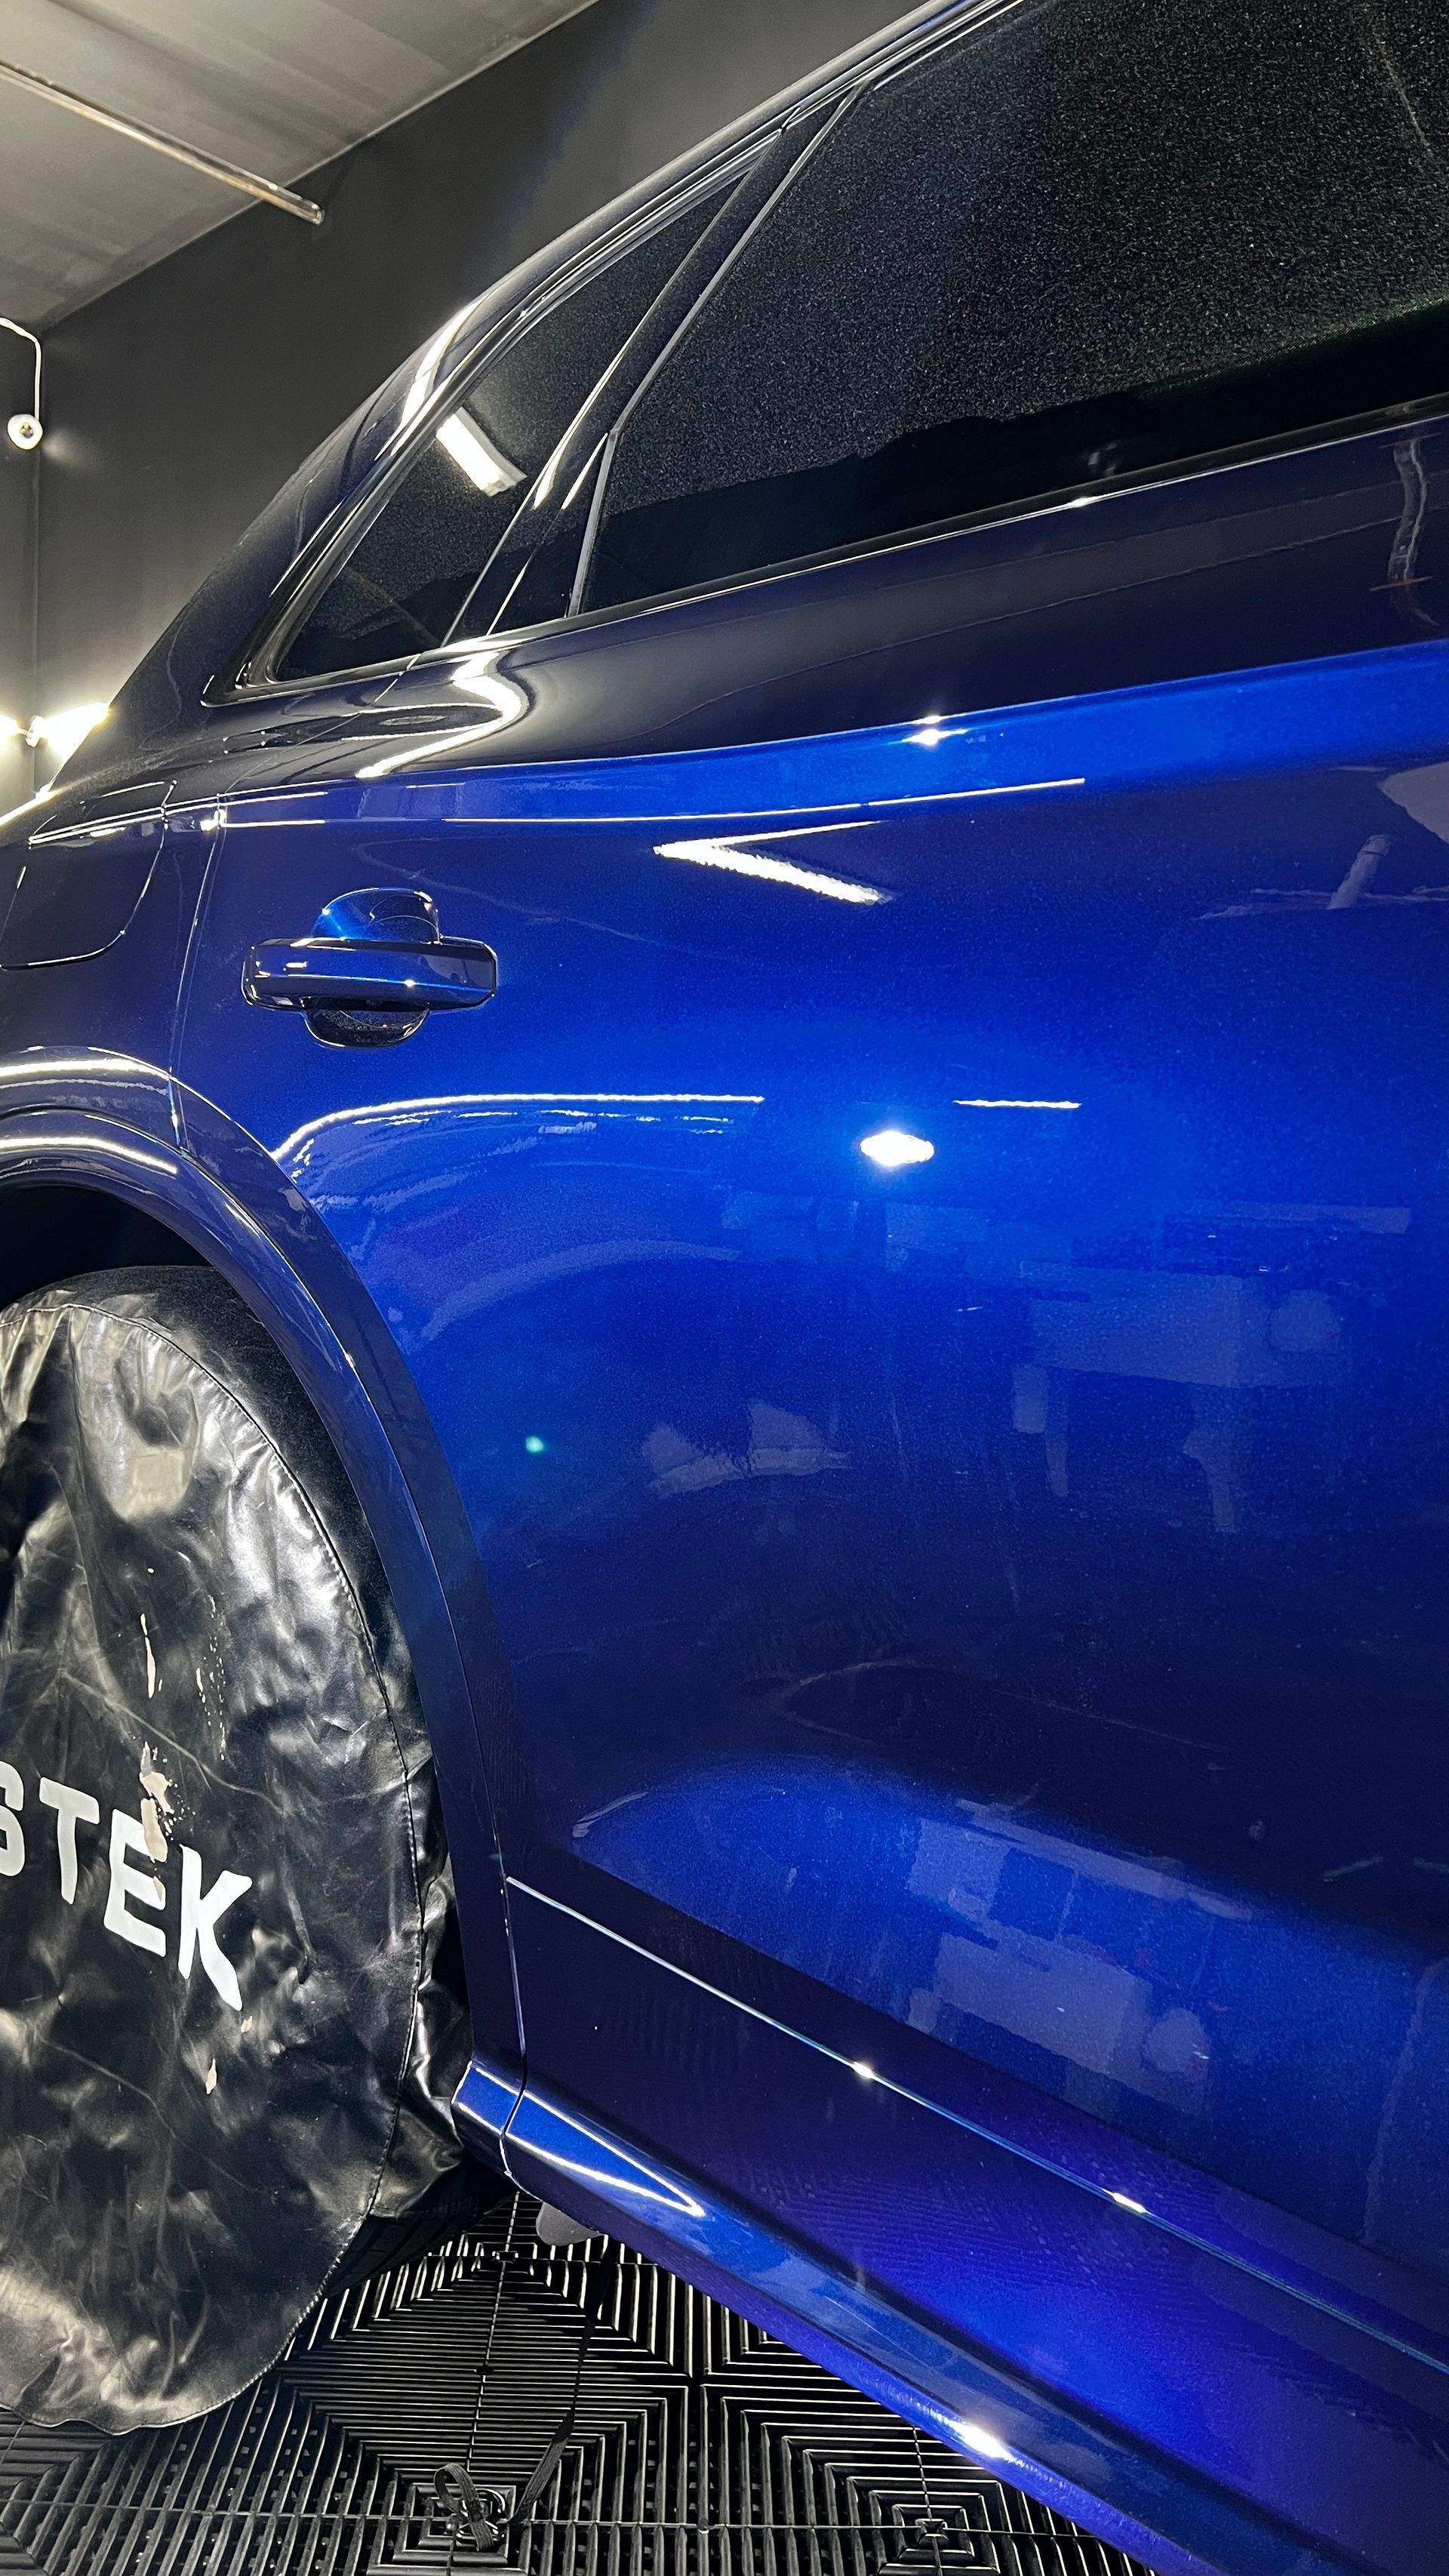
(229, 2028)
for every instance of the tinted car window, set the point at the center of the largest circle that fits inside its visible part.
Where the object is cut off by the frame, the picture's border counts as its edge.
(1079, 242)
(405, 584)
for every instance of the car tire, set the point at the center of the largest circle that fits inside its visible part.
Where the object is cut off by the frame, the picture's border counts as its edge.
(230, 2019)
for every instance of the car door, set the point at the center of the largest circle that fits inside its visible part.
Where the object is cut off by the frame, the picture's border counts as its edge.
(927, 1267)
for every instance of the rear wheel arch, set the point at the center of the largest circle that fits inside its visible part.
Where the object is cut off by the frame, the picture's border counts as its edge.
(77, 1195)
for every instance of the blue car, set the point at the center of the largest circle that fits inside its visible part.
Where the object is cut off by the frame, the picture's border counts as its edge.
(775, 957)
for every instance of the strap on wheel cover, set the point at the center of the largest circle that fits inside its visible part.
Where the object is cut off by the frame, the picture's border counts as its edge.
(223, 1884)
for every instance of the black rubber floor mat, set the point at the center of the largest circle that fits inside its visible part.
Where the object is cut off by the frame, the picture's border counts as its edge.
(403, 2427)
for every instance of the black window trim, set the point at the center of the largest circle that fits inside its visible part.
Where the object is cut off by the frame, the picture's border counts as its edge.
(585, 442)
(251, 674)
(762, 216)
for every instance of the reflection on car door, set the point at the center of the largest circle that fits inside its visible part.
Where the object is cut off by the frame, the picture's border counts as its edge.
(929, 1277)
(948, 1601)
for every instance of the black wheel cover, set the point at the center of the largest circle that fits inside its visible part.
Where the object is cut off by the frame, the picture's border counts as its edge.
(201, 2099)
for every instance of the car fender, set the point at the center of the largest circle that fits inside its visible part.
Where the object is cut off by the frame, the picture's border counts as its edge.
(296, 1283)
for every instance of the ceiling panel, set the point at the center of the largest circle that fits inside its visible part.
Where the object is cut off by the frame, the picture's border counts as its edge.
(277, 85)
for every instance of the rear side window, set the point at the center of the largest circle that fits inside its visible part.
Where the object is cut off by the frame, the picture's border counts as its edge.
(405, 586)
(1086, 239)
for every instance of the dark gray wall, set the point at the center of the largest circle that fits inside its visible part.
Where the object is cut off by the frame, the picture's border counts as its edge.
(180, 401)
(18, 477)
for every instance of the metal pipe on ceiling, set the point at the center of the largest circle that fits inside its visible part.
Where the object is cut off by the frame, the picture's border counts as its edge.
(228, 172)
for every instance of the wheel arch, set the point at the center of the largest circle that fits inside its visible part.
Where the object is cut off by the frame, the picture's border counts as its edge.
(82, 1192)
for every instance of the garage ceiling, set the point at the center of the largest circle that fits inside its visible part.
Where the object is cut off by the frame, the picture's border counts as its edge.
(276, 85)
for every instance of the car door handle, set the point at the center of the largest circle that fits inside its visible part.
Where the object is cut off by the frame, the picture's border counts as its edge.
(370, 975)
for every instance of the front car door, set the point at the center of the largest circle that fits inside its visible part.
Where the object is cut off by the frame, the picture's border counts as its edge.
(928, 1271)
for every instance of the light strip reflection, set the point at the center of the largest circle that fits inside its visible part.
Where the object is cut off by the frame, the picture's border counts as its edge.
(484, 464)
(754, 863)
(462, 1100)
(985, 2444)
(1018, 1104)
(24, 1140)
(475, 678)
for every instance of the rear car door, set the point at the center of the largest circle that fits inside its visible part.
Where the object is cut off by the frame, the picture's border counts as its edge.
(929, 1269)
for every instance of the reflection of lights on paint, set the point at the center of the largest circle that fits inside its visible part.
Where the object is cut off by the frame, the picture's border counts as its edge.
(416, 1110)
(754, 863)
(426, 375)
(1137, 2207)
(1018, 1104)
(985, 2445)
(475, 678)
(860, 2066)
(534, 1445)
(485, 465)
(892, 1150)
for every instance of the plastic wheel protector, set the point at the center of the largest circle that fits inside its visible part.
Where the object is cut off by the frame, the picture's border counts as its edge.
(224, 2037)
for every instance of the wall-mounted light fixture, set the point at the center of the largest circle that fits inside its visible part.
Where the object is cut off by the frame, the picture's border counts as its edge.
(59, 734)
(24, 428)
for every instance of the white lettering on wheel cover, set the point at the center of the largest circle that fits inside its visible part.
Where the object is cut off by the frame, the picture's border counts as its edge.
(201, 1907)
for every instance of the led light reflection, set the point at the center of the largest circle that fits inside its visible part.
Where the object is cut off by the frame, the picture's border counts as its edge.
(1137, 2207)
(457, 1101)
(427, 370)
(475, 678)
(1018, 1104)
(755, 863)
(23, 1142)
(985, 2444)
(964, 795)
(483, 463)
(892, 1150)
(35, 1060)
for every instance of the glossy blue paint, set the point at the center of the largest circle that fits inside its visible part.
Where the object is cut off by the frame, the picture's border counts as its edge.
(838, 1655)
(955, 2390)
(899, 1371)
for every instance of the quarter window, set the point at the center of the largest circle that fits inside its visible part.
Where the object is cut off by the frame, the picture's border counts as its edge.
(1084, 240)
(405, 586)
